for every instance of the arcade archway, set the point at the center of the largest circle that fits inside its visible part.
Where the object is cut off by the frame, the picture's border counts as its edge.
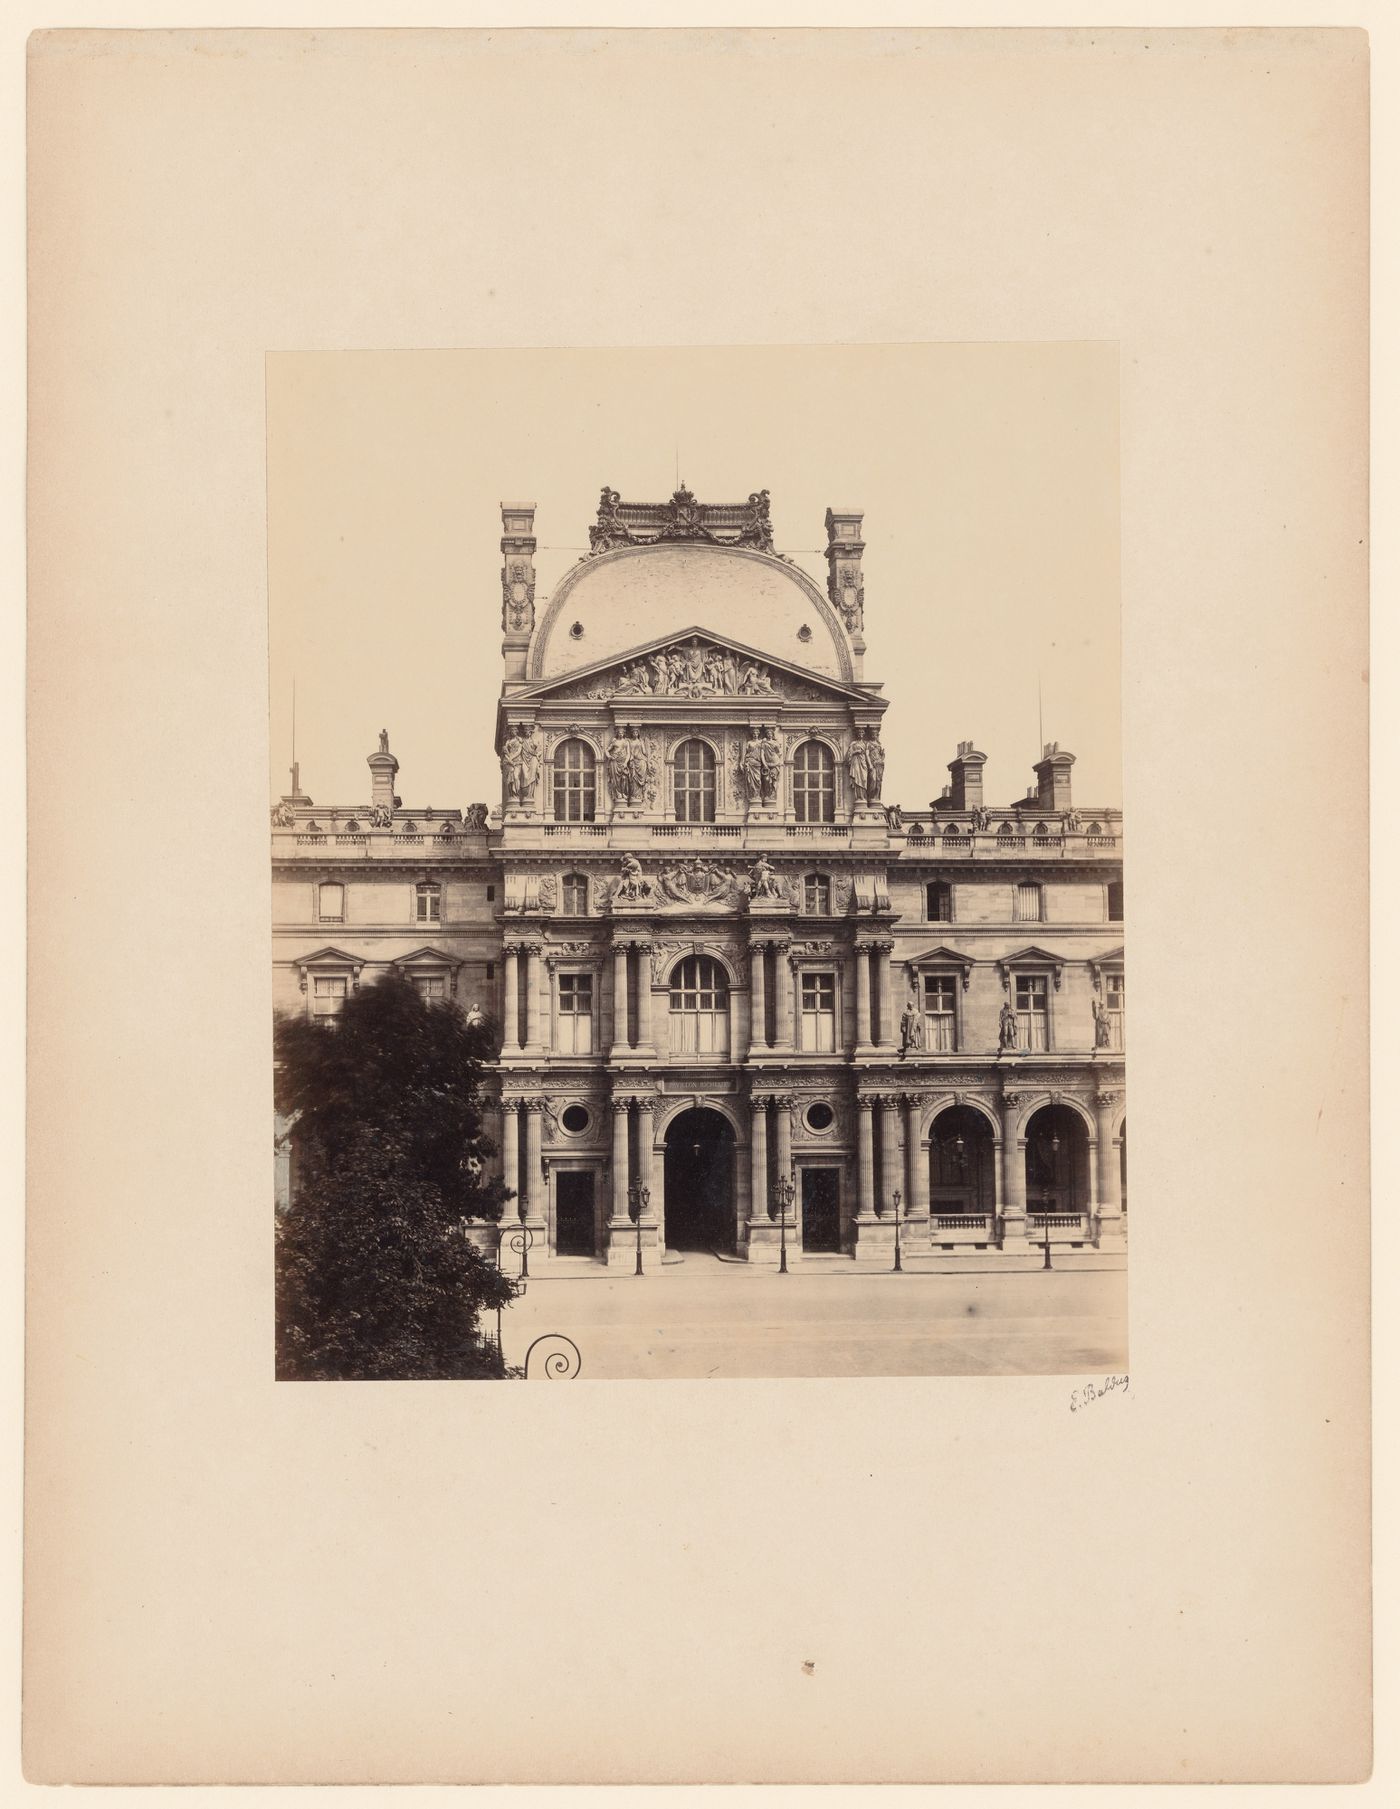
(699, 1169)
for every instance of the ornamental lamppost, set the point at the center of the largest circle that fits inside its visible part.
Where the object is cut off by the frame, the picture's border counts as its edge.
(640, 1198)
(1055, 1170)
(784, 1190)
(898, 1262)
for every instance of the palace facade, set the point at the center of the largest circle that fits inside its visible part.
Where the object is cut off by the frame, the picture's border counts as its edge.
(743, 999)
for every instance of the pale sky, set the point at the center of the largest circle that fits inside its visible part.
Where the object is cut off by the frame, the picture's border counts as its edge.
(988, 475)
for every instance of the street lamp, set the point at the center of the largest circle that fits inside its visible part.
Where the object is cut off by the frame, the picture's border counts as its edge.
(1055, 1171)
(513, 1237)
(640, 1198)
(784, 1190)
(898, 1260)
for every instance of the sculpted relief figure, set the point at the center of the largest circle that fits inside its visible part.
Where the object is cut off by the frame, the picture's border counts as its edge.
(475, 819)
(634, 884)
(764, 881)
(381, 817)
(688, 669)
(283, 816)
(609, 529)
(520, 763)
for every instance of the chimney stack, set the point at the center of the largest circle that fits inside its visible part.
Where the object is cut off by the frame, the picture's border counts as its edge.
(966, 790)
(517, 586)
(1052, 778)
(382, 768)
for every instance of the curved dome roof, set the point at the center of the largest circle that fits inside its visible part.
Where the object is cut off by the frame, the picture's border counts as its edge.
(611, 602)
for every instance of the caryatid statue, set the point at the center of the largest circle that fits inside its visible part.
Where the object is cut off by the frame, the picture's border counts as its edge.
(866, 764)
(759, 766)
(520, 763)
(618, 760)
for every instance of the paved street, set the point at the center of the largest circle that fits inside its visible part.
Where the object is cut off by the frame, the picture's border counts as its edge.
(706, 1318)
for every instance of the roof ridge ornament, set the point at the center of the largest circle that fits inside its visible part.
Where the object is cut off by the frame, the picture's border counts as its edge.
(681, 519)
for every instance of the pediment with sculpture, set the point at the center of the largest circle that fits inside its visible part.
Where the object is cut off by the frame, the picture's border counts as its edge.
(694, 666)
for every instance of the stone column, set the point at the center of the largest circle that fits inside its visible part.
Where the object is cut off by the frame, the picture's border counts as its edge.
(620, 1176)
(782, 995)
(534, 1015)
(510, 1159)
(758, 1159)
(865, 1145)
(758, 1007)
(645, 1109)
(863, 951)
(619, 992)
(644, 996)
(782, 1130)
(891, 1169)
(532, 1180)
(1109, 1189)
(510, 1032)
(915, 1163)
(1013, 1171)
(881, 957)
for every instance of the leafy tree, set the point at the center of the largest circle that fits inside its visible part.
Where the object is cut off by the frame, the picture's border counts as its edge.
(375, 1280)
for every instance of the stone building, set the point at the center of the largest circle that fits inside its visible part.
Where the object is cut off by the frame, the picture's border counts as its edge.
(719, 958)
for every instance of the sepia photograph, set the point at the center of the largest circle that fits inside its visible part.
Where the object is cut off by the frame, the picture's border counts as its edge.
(600, 603)
(680, 969)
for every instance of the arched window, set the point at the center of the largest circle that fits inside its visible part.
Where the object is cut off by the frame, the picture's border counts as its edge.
(814, 783)
(1115, 901)
(938, 896)
(1029, 902)
(694, 773)
(428, 903)
(575, 895)
(1040, 830)
(330, 902)
(816, 895)
(699, 1007)
(575, 782)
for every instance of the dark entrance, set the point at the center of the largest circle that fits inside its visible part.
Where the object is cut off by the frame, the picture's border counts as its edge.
(573, 1212)
(700, 1182)
(821, 1210)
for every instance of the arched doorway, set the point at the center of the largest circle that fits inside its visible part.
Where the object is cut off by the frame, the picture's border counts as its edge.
(1057, 1162)
(962, 1163)
(699, 1168)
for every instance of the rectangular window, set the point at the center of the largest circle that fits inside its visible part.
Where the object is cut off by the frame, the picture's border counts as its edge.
(576, 1014)
(429, 904)
(816, 895)
(430, 986)
(575, 895)
(1114, 1005)
(1028, 904)
(940, 1012)
(1033, 1012)
(332, 903)
(490, 895)
(819, 1012)
(939, 899)
(328, 994)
